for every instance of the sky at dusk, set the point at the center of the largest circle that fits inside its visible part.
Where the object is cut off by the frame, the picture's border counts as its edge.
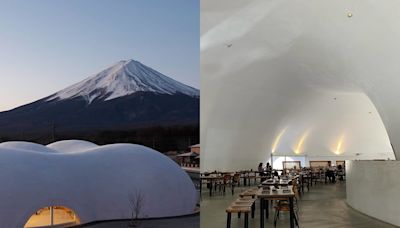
(48, 45)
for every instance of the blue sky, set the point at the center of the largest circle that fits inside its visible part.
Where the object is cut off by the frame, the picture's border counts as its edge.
(48, 45)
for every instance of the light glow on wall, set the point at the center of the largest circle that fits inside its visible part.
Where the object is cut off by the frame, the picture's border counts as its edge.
(277, 140)
(299, 146)
(339, 146)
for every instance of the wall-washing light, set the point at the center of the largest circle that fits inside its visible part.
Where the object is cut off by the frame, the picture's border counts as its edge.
(338, 149)
(277, 140)
(299, 146)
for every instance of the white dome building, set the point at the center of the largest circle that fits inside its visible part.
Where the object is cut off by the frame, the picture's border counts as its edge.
(90, 183)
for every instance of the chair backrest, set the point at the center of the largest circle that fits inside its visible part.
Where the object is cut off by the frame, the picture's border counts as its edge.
(295, 189)
(227, 178)
(236, 177)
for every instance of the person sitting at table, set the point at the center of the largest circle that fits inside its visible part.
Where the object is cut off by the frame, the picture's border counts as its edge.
(330, 174)
(260, 167)
(340, 172)
(268, 169)
(261, 171)
(276, 174)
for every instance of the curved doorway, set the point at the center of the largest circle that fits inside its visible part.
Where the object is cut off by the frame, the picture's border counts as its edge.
(53, 216)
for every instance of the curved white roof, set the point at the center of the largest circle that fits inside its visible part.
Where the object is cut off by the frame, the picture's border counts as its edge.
(72, 146)
(311, 73)
(26, 146)
(98, 184)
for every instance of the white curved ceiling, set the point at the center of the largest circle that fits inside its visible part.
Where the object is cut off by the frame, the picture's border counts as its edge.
(271, 65)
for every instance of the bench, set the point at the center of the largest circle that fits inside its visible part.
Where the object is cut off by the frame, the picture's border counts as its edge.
(250, 192)
(239, 206)
(238, 209)
(246, 202)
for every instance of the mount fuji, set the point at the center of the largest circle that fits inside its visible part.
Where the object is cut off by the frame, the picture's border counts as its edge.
(124, 78)
(127, 95)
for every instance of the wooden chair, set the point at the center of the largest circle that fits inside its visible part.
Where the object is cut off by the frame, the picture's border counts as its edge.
(235, 182)
(258, 178)
(252, 175)
(341, 175)
(305, 180)
(226, 181)
(283, 205)
(244, 176)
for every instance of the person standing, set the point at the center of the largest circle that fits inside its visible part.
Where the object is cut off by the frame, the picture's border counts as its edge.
(261, 172)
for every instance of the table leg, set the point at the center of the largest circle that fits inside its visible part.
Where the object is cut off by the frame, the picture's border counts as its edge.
(291, 212)
(261, 213)
(246, 220)
(267, 209)
(228, 222)
(211, 188)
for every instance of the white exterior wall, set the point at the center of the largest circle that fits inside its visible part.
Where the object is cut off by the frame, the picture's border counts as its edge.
(96, 182)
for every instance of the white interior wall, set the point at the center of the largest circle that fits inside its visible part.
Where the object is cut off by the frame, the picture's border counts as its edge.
(372, 187)
(286, 59)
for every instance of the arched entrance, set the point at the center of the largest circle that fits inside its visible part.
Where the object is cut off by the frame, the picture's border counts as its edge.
(53, 216)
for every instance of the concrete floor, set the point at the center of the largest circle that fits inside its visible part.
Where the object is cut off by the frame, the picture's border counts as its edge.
(323, 206)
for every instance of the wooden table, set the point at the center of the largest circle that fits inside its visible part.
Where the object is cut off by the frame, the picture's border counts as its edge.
(210, 179)
(272, 182)
(265, 194)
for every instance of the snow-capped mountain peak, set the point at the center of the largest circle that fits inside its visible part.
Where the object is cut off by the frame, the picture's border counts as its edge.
(121, 79)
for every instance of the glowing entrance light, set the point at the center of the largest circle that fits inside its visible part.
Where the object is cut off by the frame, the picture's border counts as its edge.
(277, 140)
(300, 144)
(338, 150)
(58, 216)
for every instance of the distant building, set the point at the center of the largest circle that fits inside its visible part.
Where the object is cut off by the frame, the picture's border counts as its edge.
(192, 158)
(195, 148)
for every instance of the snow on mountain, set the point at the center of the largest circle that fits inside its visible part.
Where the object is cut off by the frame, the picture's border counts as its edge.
(124, 78)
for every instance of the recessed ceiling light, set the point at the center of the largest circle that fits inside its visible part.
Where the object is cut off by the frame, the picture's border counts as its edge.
(349, 14)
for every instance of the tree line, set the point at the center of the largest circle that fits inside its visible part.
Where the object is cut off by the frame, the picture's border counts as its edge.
(161, 138)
